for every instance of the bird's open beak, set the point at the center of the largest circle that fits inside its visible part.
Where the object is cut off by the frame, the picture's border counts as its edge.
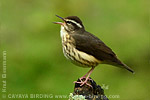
(60, 17)
(59, 22)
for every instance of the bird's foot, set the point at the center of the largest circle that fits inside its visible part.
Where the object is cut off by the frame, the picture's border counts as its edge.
(83, 77)
(83, 82)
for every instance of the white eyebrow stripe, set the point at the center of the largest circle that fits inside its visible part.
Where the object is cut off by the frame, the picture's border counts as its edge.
(74, 22)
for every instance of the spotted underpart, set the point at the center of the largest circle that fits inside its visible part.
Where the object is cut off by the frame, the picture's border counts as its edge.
(77, 57)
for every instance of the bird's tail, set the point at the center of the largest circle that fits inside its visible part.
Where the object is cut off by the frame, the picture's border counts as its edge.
(116, 62)
(128, 68)
(122, 65)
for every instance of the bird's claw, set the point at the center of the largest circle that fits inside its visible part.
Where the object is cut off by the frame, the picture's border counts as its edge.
(82, 78)
(83, 82)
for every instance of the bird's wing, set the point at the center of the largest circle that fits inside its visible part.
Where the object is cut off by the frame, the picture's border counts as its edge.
(91, 45)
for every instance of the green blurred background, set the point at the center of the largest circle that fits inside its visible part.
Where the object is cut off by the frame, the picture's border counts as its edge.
(36, 64)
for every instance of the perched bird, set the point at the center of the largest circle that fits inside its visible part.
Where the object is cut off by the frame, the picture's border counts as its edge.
(84, 49)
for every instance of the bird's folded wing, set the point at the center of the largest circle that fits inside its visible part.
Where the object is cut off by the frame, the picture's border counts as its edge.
(91, 45)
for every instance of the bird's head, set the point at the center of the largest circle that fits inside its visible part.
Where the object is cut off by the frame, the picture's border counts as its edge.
(71, 23)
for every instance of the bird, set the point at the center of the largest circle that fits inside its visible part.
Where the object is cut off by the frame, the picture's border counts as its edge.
(85, 49)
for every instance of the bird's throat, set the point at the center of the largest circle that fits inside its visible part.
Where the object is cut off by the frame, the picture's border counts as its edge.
(63, 32)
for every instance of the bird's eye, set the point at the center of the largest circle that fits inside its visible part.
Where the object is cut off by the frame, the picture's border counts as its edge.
(68, 22)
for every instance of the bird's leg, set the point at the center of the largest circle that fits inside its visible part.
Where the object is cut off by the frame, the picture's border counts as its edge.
(83, 77)
(87, 78)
